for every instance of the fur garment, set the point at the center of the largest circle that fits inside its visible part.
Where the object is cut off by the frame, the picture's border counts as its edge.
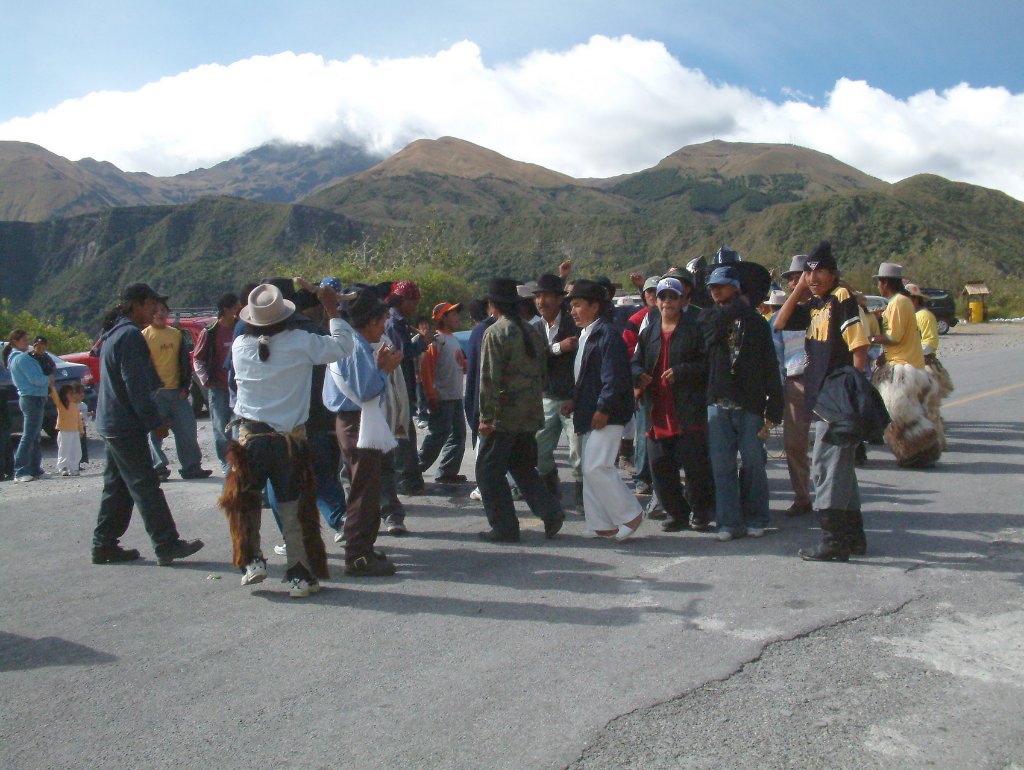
(240, 501)
(935, 368)
(916, 434)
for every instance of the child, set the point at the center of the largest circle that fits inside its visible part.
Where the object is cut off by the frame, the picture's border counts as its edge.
(69, 428)
(84, 409)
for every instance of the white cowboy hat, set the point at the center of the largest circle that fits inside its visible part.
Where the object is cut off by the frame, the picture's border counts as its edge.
(267, 306)
(777, 298)
(889, 270)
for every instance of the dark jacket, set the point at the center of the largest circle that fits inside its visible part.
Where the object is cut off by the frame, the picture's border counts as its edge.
(742, 367)
(852, 407)
(400, 336)
(604, 384)
(686, 357)
(559, 381)
(127, 382)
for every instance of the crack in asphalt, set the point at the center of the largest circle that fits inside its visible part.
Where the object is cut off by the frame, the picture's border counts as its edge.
(742, 667)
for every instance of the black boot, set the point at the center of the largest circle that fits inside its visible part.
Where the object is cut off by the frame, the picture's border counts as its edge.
(855, 533)
(834, 545)
(579, 497)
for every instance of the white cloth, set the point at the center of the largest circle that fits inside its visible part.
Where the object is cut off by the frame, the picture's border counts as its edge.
(607, 501)
(577, 362)
(276, 391)
(374, 431)
(69, 450)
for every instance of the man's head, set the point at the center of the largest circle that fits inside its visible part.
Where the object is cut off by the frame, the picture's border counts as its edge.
(139, 302)
(916, 295)
(670, 295)
(368, 315)
(723, 285)
(796, 269)
(889, 279)
(548, 296)
(650, 292)
(228, 306)
(586, 300)
(160, 316)
(423, 325)
(822, 270)
(446, 316)
(405, 298)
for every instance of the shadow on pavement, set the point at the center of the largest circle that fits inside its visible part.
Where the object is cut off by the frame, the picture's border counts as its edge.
(19, 653)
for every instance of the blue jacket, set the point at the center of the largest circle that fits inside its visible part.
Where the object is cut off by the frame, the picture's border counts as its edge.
(471, 401)
(27, 375)
(127, 382)
(604, 384)
(360, 373)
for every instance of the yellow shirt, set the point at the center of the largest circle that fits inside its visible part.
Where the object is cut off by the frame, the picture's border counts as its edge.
(164, 345)
(68, 417)
(900, 325)
(929, 328)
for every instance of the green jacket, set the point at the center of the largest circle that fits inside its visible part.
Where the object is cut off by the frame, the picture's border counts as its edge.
(511, 382)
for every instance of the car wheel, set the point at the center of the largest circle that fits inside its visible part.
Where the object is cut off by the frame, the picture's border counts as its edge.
(943, 326)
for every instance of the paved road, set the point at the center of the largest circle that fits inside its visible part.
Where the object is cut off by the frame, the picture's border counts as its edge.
(666, 651)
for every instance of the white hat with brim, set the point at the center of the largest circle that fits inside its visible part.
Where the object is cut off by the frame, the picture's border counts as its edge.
(796, 265)
(777, 298)
(267, 306)
(889, 270)
(913, 290)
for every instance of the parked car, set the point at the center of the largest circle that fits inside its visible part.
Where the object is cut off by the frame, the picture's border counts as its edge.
(65, 372)
(942, 304)
(191, 320)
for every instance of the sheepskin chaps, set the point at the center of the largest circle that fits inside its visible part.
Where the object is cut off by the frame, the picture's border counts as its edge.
(935, 368)
(916, 434)
(240, 502)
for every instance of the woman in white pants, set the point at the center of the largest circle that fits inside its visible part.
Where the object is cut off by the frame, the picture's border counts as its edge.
(602, 405)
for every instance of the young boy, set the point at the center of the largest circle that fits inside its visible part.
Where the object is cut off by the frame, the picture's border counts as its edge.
(442, 371)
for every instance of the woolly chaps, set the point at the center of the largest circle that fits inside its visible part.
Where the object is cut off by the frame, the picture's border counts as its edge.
(916, 434)
(240, 502)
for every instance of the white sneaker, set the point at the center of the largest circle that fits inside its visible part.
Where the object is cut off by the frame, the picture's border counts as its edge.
(255, 572)
(281, 550)
(24, 479)
(339, 537)
(755, 532)
(475, 494)
(65, 473)
(725, 536)
(300, 588)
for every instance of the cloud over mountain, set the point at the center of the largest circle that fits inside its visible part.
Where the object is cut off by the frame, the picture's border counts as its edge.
(605, 107)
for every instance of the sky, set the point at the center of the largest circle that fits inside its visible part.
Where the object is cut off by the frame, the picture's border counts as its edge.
(591, 89)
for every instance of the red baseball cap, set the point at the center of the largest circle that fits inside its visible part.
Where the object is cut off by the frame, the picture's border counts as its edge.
(444, 307)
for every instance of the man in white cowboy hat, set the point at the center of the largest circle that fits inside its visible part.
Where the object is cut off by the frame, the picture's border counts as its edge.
(916, 435)
(273, 364)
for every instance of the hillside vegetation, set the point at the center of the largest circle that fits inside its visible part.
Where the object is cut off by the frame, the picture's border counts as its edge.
(484, 214)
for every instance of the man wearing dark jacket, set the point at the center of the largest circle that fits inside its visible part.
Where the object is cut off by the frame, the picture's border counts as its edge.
(213, 348)
(670, 374)
(561, 335)
(744, 397)
(125, 415)
(835, 339)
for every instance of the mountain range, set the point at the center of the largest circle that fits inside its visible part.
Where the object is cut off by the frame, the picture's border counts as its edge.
(74, 231)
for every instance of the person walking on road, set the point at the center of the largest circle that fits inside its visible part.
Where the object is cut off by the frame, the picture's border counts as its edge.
(442, 371)
(170, 357)
(33, 386)
(511, 412)
(209, 360)
(125, 416)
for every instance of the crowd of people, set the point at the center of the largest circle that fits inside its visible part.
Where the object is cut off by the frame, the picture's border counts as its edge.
(316, 393)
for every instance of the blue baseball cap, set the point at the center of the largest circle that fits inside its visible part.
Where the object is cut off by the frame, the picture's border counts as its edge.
(723, 276)
(670, 284)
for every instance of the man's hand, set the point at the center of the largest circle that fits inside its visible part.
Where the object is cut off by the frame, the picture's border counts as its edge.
(643, 381)
(329, 299)
(568, 345)
(637, 280)
(566, 408)
(599, 420)
(668, 376)
(388, 360)
(183, 394)
(302, 283)
(564, 268)
(485, 428)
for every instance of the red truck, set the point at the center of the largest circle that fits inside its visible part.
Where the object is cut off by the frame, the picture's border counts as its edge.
(191, 320)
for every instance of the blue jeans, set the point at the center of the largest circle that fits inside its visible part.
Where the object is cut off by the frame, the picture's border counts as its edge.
(220, 415)
(731, 431)
(28, 458)
(446, 436)
(178, 411)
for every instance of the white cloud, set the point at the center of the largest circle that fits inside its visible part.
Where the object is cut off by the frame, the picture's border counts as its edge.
(606, 107)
